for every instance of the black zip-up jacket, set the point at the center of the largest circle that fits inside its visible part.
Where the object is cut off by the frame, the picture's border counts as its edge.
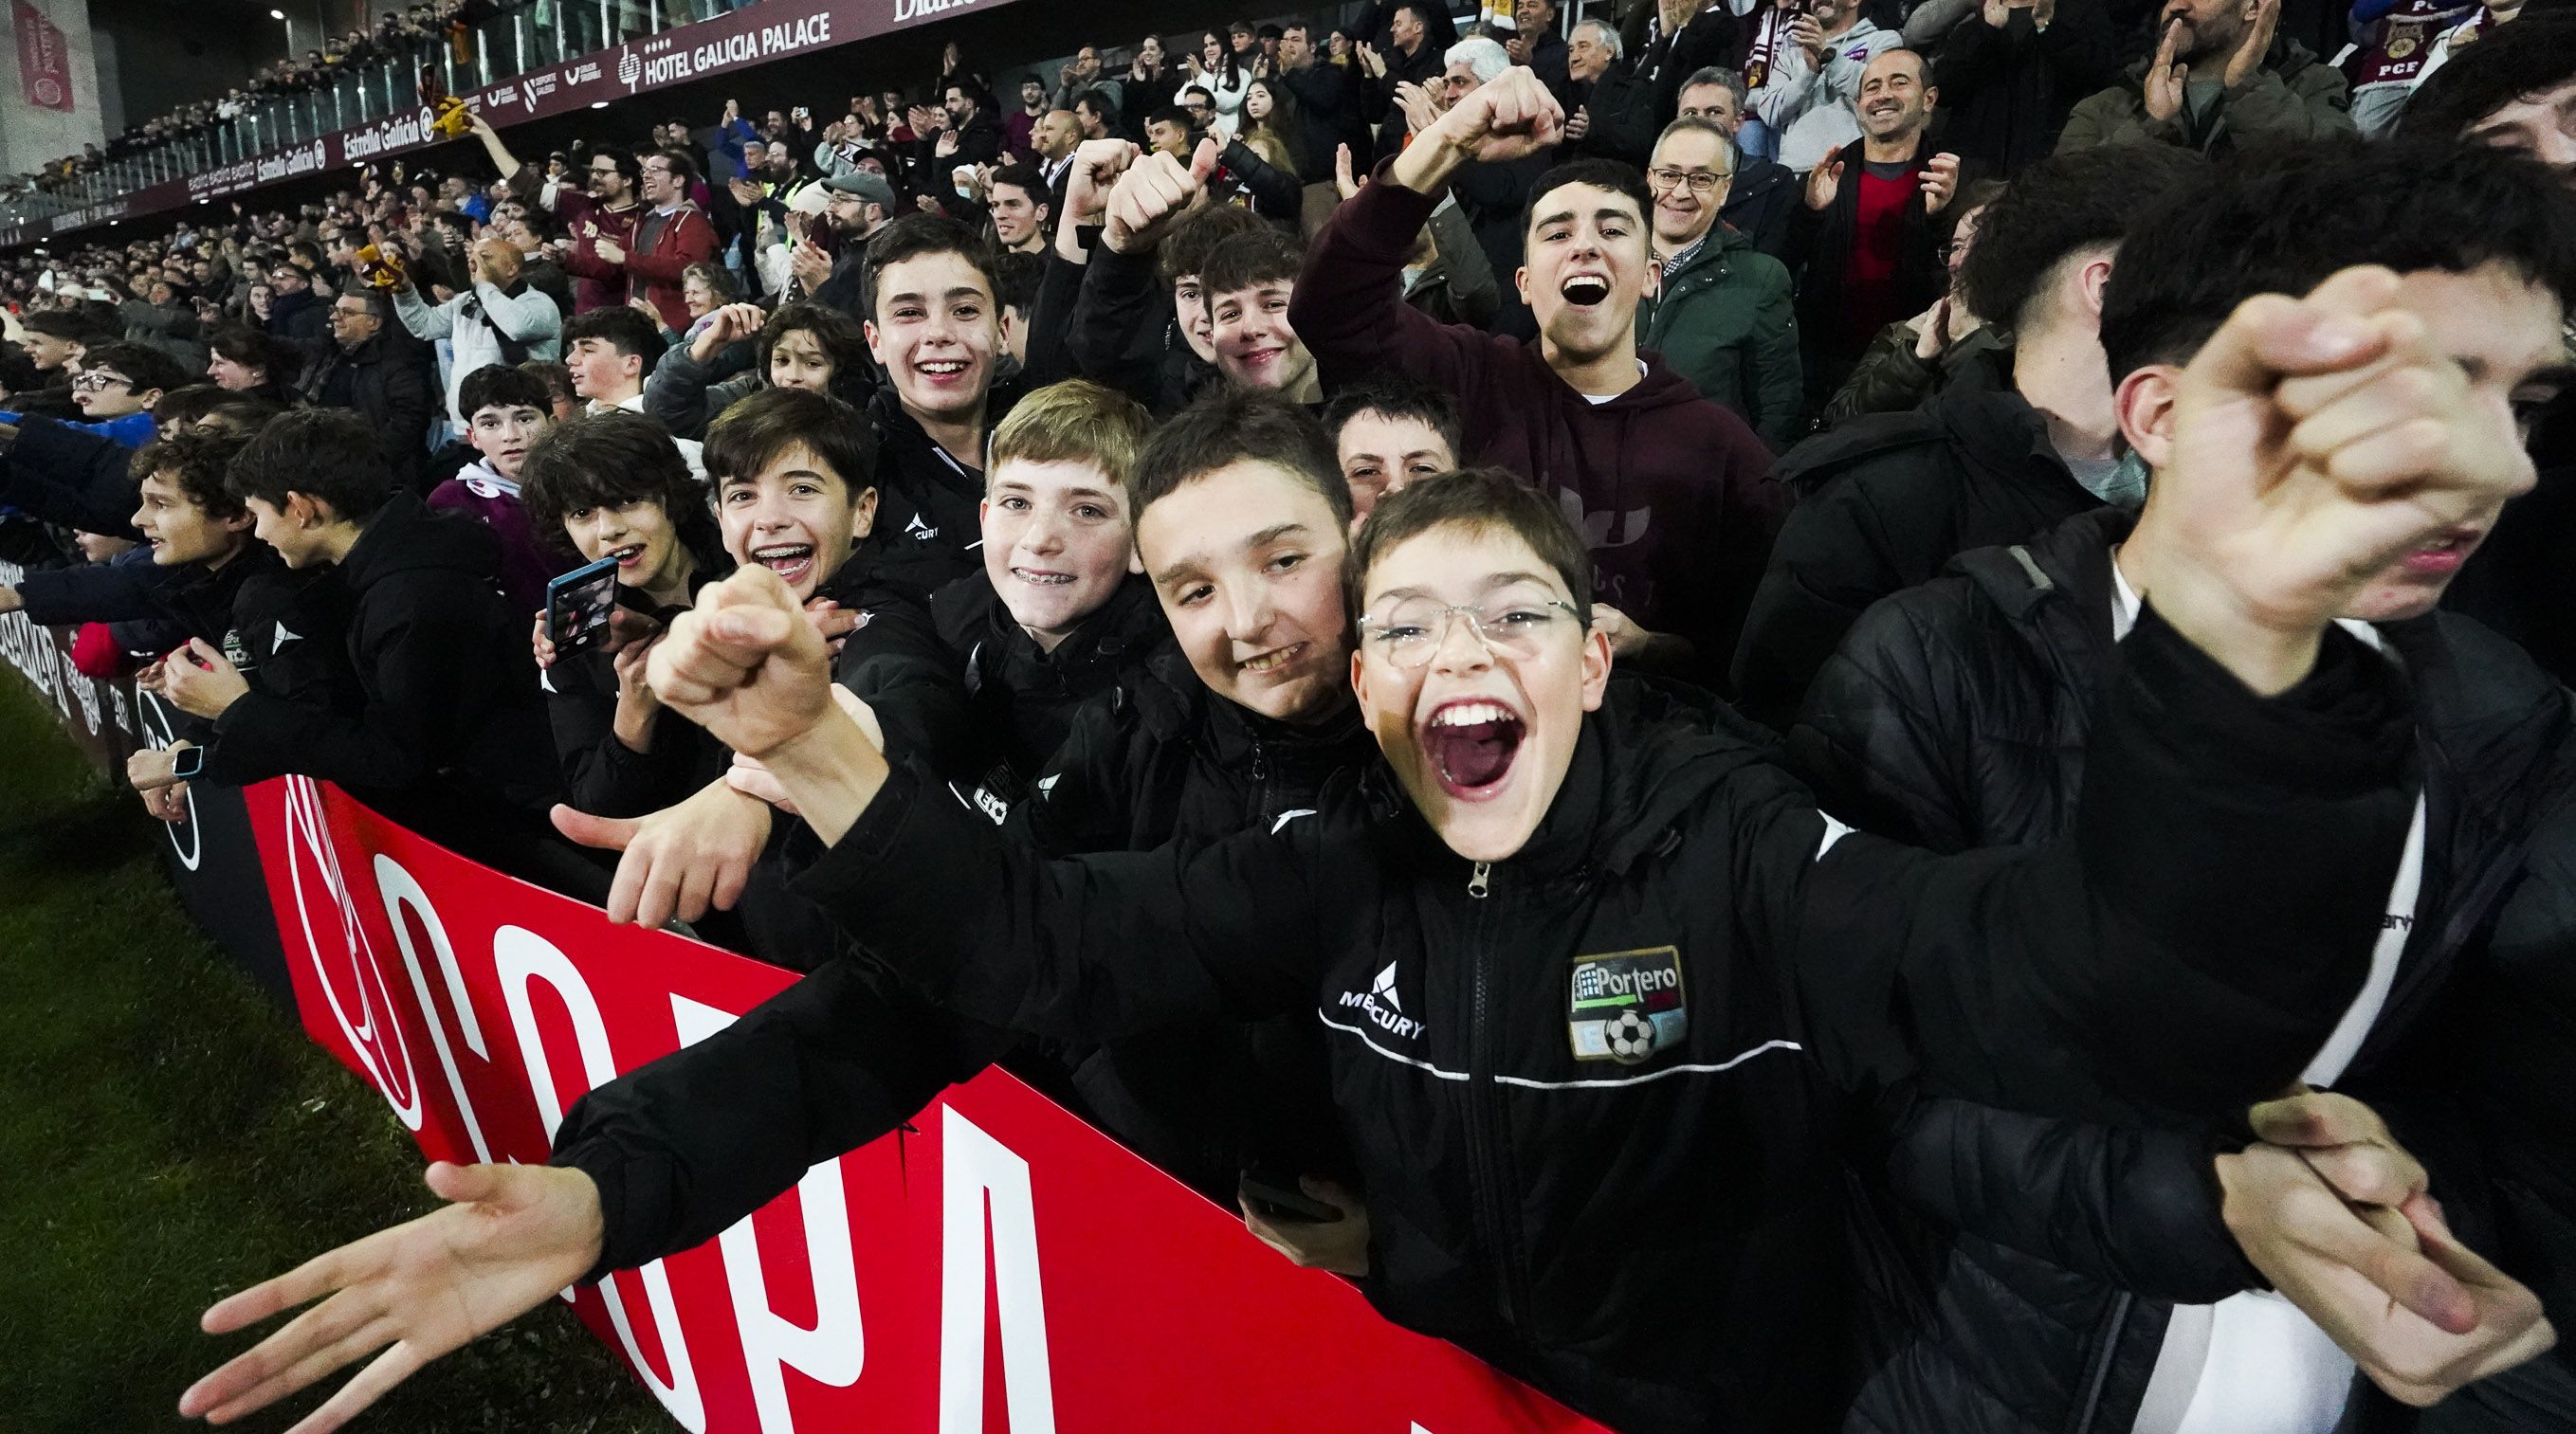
(1957, 715)
(985, 706)
(1885, 503)
(451, 726)
(929, 507)
(1123, 332)
(1160, 759)
(1656, 1242)
(2505, 1049)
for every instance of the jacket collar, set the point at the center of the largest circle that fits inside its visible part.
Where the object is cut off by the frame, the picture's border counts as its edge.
(1653, 751)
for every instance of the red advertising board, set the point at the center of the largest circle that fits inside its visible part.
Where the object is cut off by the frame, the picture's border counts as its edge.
(1005, 1267)
(44, 63)
(732, 41)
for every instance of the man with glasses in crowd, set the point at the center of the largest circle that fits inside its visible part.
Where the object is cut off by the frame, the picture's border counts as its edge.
(674, 234)
(1723, 316)
(603, 211)
(380, 377)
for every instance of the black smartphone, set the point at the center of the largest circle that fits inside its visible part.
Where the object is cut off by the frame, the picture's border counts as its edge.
(578, 605)
(1279, 1203)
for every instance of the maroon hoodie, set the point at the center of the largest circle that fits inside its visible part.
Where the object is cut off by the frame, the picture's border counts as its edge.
(1668, 488)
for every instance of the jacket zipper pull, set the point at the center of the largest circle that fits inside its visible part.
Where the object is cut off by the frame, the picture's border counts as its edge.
(1478, 883)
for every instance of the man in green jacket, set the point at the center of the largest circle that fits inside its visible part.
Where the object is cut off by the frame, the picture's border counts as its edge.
(2218, 78)
(1722, 316)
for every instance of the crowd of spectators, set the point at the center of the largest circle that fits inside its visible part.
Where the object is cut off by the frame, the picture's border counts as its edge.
(449, 39)
(1398, 536)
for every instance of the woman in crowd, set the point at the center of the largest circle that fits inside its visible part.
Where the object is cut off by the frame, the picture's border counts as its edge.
(1215, 69)
(1272, 125)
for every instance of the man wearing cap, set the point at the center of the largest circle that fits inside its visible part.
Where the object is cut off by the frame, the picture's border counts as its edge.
(861, 201)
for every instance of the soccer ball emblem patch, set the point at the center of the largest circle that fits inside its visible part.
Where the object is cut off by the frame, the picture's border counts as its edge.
(1632, 1036)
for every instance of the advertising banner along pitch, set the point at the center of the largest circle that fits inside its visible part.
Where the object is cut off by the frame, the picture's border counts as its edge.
(1000, 1266)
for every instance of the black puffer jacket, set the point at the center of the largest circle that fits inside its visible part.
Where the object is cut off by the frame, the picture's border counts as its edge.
(1960, 715)
(986, 707)
(2506, 1051)
(1162, 760)
(928, 504)
(1651, 1233)
(1886, 502)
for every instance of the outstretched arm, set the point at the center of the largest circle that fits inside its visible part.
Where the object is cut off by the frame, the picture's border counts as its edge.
(1089, 949)
(2189, 946)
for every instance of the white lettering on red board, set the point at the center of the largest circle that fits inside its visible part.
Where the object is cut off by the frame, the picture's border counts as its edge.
(374, 1035)
(522, 957)
(399, 889)
(987, 1204)
(982, 1173)
(833, 1350)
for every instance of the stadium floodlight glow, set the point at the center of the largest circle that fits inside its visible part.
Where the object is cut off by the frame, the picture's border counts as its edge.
(599, 104)
(277, 14)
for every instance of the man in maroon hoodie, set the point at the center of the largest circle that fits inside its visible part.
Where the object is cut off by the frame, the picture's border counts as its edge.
(1666, 486)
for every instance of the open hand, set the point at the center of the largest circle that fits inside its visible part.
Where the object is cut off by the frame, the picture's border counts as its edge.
(1420, 109)
(2256, 44)
(511, 1236)
(2162, 89)
(1823, 183)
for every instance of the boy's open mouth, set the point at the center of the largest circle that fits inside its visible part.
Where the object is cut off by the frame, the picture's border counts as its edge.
(1470, 743)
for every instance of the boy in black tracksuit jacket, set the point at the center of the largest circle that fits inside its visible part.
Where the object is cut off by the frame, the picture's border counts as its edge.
(986, 707)
(1657, 1245)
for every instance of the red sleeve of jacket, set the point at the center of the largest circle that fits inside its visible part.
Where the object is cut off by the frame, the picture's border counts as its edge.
(1349, 306)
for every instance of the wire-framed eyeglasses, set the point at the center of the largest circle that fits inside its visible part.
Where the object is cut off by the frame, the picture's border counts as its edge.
(1408, 630)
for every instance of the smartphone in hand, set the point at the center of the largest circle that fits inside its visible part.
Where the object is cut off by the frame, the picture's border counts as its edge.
(578, 605)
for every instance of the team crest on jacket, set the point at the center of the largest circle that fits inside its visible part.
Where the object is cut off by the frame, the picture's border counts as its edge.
(1626, 1005)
